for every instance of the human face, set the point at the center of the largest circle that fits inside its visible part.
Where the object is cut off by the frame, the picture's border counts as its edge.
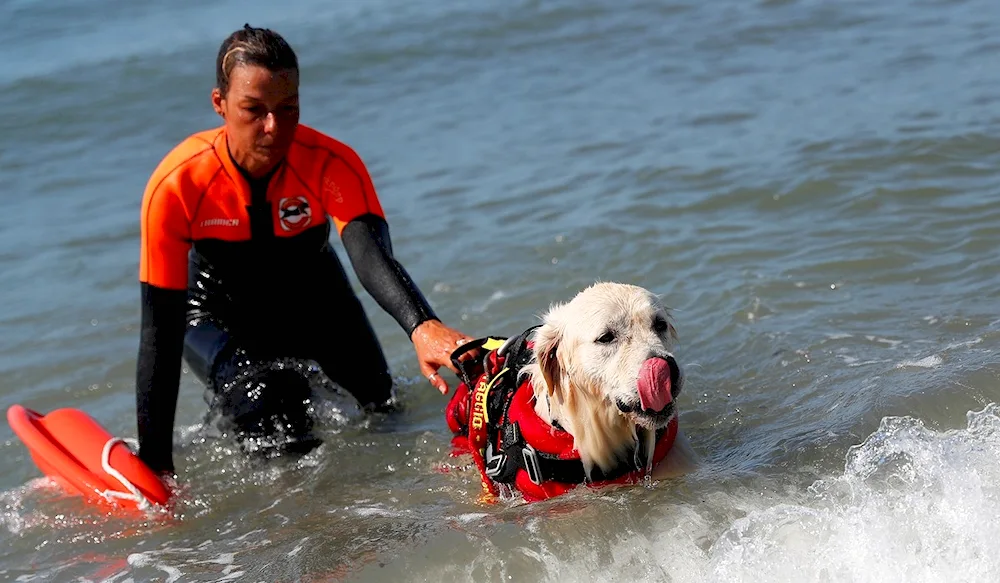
(261, 112)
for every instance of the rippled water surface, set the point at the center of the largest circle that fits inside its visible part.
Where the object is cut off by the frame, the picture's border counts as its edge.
(814, 188)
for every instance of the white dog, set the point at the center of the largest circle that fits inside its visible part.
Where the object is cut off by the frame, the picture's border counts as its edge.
(594, 385)
(604, 371)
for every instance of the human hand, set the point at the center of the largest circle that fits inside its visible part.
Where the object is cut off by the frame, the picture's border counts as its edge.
(434, 343)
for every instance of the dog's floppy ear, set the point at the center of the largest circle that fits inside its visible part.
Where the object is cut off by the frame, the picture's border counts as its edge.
(547, 338)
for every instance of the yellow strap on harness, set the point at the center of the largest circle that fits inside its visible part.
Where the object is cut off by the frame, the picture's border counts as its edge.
(492, 344)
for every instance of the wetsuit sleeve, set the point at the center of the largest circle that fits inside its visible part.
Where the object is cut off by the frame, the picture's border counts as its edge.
(158, 373)
(164, 242)
(164, 237)
(366, 240)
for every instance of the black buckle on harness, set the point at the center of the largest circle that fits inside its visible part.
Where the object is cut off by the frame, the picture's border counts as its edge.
(494, 462)
(530, 457)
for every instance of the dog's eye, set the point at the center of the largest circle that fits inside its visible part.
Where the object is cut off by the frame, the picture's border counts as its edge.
(660, 325)
(606, 338)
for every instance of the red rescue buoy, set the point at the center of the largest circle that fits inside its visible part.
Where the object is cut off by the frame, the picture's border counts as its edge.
(72, 448)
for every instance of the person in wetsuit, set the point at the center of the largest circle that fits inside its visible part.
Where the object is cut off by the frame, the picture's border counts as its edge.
(237, 271)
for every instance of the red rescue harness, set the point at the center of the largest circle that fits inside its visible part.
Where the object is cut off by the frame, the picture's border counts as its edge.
(514, 447)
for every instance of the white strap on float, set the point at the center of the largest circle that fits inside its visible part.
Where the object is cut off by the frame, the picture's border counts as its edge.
(134, 495)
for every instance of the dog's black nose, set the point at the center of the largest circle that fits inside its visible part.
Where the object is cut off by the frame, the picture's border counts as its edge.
(676, 378)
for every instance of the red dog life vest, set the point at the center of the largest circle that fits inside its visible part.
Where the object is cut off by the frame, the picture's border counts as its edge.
(496, 422)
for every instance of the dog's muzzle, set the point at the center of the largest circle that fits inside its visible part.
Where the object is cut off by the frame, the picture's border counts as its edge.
(659, 383)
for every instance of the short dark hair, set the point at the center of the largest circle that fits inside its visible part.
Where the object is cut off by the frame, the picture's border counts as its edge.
(253, 46)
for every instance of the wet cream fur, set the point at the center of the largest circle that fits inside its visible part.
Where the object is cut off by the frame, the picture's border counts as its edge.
(577, 379)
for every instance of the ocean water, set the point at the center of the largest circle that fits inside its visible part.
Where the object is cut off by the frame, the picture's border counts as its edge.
(813, 187)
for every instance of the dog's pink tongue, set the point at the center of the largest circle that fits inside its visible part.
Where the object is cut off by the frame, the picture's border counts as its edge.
(654, 384)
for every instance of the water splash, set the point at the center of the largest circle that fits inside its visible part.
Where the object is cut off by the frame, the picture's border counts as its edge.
(330, 402)
(913, 504)
(323, 401)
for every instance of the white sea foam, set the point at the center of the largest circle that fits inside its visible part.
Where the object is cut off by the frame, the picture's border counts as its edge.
(932, 361)
(913, 504)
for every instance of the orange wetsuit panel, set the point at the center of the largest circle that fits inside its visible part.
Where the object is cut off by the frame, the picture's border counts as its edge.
(197, 193)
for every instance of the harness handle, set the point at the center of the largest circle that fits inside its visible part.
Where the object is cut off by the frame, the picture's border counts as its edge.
(467, 370)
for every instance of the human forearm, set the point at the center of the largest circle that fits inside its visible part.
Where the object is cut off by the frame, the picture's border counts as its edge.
(366, 240)
(158, 373)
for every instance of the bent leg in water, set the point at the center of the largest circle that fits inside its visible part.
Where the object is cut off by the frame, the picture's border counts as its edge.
(264, 403)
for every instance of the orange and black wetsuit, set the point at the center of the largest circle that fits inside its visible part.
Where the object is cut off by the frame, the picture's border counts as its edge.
(236, 272)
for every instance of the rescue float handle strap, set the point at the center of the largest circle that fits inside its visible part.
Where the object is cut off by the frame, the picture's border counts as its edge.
(133, 492)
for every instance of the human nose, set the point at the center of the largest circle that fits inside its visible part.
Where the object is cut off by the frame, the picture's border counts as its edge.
(270, 123)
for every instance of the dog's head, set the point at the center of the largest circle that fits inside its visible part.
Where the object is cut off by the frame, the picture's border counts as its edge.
(603, 367)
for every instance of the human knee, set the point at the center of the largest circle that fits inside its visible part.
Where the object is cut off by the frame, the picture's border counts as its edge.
(268, 404)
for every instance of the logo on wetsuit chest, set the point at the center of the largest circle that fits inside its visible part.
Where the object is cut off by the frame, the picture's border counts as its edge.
(294, 213)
